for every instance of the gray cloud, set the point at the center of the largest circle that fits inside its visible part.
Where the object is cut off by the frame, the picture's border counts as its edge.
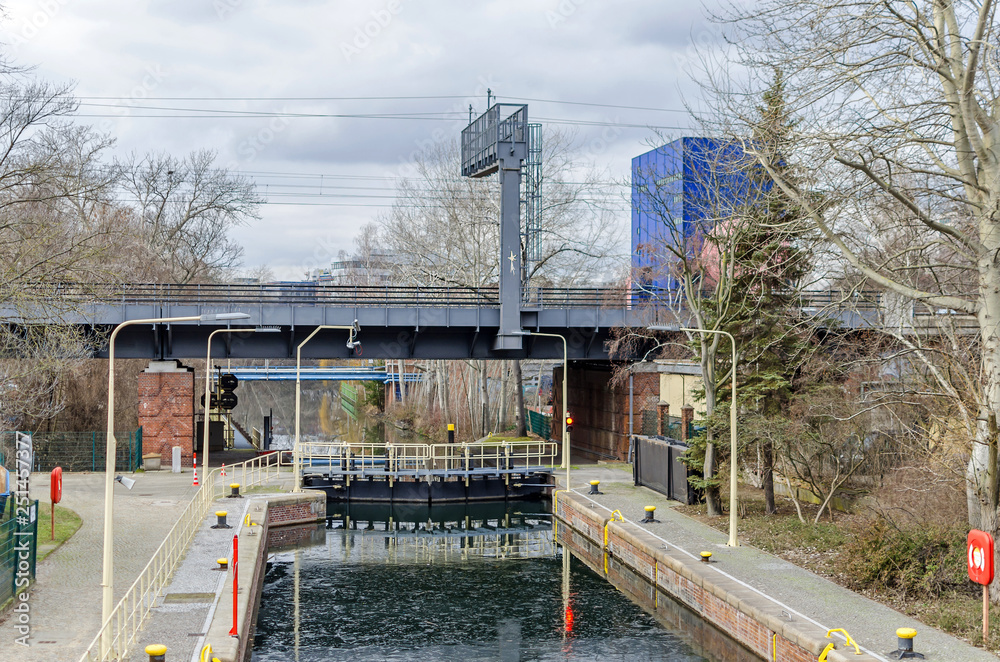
(629, 53)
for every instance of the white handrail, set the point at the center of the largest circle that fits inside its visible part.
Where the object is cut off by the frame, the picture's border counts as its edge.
(129, 615)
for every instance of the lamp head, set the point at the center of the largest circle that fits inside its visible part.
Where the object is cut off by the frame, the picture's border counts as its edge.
(221, 317)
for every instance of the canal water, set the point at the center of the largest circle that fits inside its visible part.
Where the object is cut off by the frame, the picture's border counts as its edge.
(462, 582)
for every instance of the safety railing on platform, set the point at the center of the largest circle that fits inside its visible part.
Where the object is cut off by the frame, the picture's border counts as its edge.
(416, 459)
(365, 458)
(119, 632)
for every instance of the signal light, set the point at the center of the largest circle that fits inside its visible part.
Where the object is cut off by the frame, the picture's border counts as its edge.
(569, 421)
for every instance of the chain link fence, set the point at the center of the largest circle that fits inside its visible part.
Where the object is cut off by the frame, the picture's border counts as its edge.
(76, 451)
(18, 548)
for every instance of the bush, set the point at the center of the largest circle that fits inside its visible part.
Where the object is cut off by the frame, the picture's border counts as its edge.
(913, 562)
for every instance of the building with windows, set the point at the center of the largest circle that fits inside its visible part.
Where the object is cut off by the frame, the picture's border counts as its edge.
(679, 191)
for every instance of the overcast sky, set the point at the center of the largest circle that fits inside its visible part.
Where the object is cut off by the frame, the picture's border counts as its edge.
(192, 63)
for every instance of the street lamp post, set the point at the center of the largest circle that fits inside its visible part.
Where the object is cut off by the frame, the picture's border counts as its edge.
(107, 575)
(565, 400)
(733, 498)
(351, 344)
(208, 386)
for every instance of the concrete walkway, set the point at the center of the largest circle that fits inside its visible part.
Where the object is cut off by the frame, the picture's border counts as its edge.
(805, 594)
(180, 619)
(66, 597)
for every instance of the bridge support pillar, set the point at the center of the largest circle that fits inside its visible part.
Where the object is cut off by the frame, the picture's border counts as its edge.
(166, 409)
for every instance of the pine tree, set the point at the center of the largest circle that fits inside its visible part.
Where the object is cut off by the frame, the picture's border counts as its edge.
(771, 260)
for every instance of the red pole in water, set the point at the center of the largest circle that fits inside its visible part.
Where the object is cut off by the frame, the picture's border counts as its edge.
(236, 580)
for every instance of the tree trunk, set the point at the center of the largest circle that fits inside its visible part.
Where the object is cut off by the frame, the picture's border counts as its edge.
(522, 430)
(983, 477)
(484, 394)
(502, 407)
(712, 498)
(767, 477)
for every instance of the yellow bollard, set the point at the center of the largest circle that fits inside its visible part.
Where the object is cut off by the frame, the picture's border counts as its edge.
(904, 639)
(706, 557)
(235, 493)
(649, 514)
(595, 487)
(221, 520)
(156, 652)
(223, 564)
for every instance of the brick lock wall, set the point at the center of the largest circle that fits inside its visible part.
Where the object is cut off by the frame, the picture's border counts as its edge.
(733, 608)
(166, 413)
(600, 410)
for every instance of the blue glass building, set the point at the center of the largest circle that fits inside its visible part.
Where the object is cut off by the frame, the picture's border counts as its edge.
(679, 191)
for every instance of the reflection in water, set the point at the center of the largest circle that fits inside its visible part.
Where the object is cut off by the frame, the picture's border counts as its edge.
(453, 584)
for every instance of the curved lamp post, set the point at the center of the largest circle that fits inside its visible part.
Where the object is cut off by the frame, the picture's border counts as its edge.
(733, 497)
(351, 344)
(107, 575)
(565, 399)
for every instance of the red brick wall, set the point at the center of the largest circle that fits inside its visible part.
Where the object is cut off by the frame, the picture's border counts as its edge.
(166, 413)
(600, 410)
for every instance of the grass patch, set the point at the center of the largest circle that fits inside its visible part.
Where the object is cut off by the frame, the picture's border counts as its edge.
(263, 489)
(67, 523)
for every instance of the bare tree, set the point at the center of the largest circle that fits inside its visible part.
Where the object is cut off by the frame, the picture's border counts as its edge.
(187, 208)
(899, 104)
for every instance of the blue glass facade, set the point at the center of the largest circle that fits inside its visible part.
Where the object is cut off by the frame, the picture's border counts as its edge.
(679, 191)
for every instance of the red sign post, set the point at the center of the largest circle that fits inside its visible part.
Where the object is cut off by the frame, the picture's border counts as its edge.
(980, 557)
(55, 494)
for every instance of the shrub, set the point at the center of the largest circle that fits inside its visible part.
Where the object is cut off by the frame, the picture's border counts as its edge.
(913, 562)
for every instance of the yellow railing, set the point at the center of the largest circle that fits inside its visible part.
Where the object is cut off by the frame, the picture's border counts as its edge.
(119, 632)
(425, 457)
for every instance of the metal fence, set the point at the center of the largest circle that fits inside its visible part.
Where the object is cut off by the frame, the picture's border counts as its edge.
(539, 423)
(77, 451)
(657, 465)
(18, 542)
(671, 425)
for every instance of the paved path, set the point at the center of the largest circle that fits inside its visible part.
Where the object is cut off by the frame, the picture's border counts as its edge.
(806, 594)
(66, 597)
(181, 617)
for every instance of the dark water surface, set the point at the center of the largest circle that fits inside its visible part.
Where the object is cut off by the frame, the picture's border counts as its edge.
(467, 590)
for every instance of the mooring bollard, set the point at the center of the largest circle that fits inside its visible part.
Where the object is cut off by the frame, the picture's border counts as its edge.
(649, 514)
(904, 639)
(223, 564)
(235, 493)
(706, 557)
(595, 487)
(221, 520)
(156, 652)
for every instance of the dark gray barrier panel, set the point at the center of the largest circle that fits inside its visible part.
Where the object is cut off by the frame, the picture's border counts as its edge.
(656, 465)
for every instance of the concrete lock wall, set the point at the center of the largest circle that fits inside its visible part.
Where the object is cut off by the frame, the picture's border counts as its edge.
(269, 520)
(752, 620)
